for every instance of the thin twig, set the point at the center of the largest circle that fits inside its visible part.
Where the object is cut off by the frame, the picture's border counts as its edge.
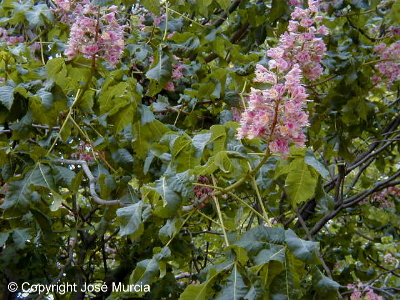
(92, 181)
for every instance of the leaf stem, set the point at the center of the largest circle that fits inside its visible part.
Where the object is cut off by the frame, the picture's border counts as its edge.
(219, 212)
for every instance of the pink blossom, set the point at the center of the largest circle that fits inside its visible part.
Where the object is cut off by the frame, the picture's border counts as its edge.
(236, 115)
(293, 26)
(388, 67)
(170, 86)
(177, 71)
(277, 113)
(93, 35)
(264, 75)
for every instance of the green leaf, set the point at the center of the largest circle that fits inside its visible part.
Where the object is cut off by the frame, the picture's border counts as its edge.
(63, 175)
(145, 135)
(169, 229)
(54, 66)
(19, 192)
(310, 160)
(225, 4)
(183, 154)
(278, 9)
(195, 292)
(57, 200)
(300, 182)
(218, 138)
(38, 14)
(123, 117)
(131, 219)
(160, 73)
(46, 97)
(271, 252)
(306, 251)
(326, 288)
(202, 6)
(3, 238)
(223, 162)
(186, 43)
(144, 272)
(171, 199)
(181, 183)
(199, 141)
(234, 288)
(7, 96)
(152, 5)
(20, 237)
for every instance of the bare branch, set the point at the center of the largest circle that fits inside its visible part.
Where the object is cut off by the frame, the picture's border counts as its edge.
(92, 181)
(354, 200)
(223, 17)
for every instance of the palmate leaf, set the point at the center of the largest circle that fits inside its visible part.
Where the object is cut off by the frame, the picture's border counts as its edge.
(300, 182)
(20, 237)
(159, 74)
(218, 137)
(3, 238)
(306, 251)
(147, 270)
(204, 291)
(326, 288)
(38, 14)
(285, 283)
(234, 288)
(310, 160)
(145, 135)
(185, 43)
(7, 96)
(163, 197)
(223, 161)
(195, 292)
(271, 252)
(183, 154)
(19, 192)
(199, 141)
(131, 219)
(63, 175)
(169, 229)
(151, 5)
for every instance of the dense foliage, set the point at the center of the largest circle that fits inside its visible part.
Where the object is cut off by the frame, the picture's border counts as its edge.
(212, 149)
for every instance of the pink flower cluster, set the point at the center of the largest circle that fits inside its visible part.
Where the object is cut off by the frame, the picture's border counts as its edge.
(11, 40)
(389, 66)
(362, 292)
(301, 44)
(95, 32)
(177, 74)
(277, 113)
(85, 152)
(202, 192)
(389, 259)
(383, 198)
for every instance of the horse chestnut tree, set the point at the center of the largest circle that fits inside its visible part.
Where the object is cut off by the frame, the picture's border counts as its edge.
(202, 149)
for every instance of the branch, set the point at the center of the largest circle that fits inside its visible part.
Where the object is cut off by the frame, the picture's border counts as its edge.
(309, 237)
(92, 181)
(235, 38)
(378, 187)
(38, 126)
(321, 82)
(360, 30)
(354, 200)
(382, 267)
(207, 231)
(222, 18)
